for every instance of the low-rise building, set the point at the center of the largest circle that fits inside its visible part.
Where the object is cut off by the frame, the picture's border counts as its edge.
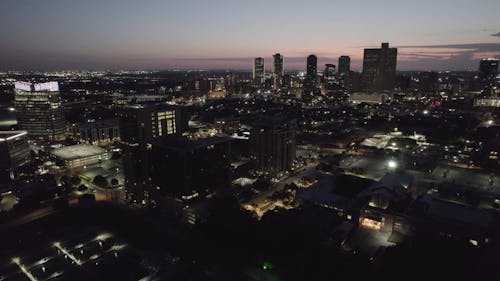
(80, 155)
(97, 132)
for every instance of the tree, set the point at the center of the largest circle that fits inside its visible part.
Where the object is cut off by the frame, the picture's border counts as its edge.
(114, 182)
(82, 187)
(100, 181)
(65, 179)
(75, 180)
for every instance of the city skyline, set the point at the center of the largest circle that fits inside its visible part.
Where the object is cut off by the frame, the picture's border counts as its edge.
(219, 35)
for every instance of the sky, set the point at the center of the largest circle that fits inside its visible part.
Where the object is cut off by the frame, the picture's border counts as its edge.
(227, 34)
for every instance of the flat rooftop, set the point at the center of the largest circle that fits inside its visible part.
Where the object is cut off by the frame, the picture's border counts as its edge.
(184, 143)
(9, 135)
(77, 151)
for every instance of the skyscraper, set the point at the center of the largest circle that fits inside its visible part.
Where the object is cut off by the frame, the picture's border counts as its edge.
(278, 70)
(488, 69)
(272, 144)
(329, 77)
(344, 65)
(258, 71)
(39, 111)
(379, 68)
(139, 126)
(310, 83)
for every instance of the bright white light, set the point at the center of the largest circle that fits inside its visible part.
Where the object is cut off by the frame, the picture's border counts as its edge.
(392, 164)
(490, 122)
(426, 112)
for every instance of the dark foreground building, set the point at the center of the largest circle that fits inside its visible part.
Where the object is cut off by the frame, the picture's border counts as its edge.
(183, 167)
(379, 68)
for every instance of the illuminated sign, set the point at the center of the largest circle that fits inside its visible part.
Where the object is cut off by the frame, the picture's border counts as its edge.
(27, 86)
(24, 86)
(48, 86)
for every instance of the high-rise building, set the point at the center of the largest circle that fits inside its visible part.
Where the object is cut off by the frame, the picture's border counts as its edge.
(139, 126)
(273, 144)
(278, 70)
(184, 167)
(329, 77)
(310, 83)
(379, 68)
(488, 69)
(344, 65)
(14, 149)
(142, 123)
(39, 111)
(258, 71)
(14, 153)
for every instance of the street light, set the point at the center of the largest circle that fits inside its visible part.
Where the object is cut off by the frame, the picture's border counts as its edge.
(392, 164)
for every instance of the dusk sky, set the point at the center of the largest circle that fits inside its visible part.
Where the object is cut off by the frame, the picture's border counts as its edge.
(223, 34)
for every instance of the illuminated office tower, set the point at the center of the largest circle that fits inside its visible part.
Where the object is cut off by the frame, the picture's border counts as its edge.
(278, 70)
(379, 68)
(258, 71)
(39, 111)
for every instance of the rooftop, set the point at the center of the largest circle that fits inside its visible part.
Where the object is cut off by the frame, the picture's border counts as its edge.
(52, 86)
(77, 151)
(9, 135)
(184, 143)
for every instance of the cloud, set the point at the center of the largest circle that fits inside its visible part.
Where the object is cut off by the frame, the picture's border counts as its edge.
(496, 34)
(445, 56)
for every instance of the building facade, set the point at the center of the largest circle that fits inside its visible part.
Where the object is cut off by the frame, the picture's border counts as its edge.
(344, 66)
(185, 168)
(39, 110)
(80, 155)
(273, 145)
(97, 132)
(139, 126)
(310, 82)
(379, 69)
(329, 77)
(14, 151)
(258, 71)
(278, 70)
(488, 69)
(142, 123)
